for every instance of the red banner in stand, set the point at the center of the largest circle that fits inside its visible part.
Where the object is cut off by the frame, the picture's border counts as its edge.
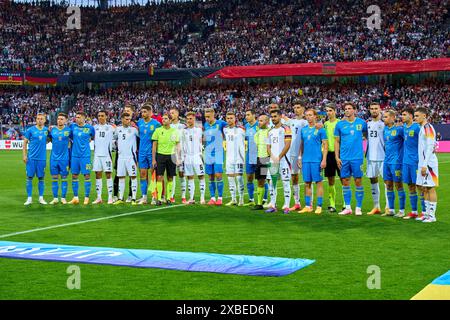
(334, 69)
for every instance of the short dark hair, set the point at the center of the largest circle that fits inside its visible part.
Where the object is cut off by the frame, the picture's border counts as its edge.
(147, 107)
(331, 106)
(277, 111)
(372, 103)
(125, 114)
(128, 105)
(349, 103)
(423, 110)
(102, 111)
(408, 110)
(81, 113)
(300, 101)
(252, 111)
(62, 114)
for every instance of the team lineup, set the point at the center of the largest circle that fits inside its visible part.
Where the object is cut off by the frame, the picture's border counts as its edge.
(268, 148)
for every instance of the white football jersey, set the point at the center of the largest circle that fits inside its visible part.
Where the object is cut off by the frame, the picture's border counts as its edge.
(103, 142)
(276, 138)
(296, 126)
(180, 126)
(375, 141)
(126, 142)
(191, 143)
(427, 146)
(235, 144)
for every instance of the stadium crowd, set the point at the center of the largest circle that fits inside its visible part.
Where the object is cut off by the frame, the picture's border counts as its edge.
(197, 34)
(19, 107)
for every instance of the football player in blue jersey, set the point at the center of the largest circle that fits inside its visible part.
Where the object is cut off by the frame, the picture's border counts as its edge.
(82, 134)
(392, 167)
(146, 126)
(411, 131)
(312, 158)
(348, 145)
(251, 154)
(35, 156)
(214, 155)
(60, 136)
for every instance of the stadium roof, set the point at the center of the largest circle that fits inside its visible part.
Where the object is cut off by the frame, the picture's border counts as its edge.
(95, 3)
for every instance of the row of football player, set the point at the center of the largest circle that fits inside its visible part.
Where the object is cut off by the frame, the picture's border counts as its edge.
(273, 147)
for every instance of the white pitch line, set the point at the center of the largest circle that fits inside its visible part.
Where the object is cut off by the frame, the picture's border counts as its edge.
(96, 219)
(87, 221)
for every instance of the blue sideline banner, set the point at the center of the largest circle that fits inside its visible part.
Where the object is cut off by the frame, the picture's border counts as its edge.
(173, 260)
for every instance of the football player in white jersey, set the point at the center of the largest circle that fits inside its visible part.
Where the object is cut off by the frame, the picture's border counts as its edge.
(279, 143)
(375, 154)
(235, 158)
(128, 108)
(296, 124)
(103, 144)
(191, 155)
(176, 123)
(284, 120)
(427, 171)
(127, 156)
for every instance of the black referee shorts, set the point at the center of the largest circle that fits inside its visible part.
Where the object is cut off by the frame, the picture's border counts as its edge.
(262, 167)
(164, 163)
(332, 168)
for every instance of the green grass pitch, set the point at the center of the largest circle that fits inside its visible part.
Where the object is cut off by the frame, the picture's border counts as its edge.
(410, 254)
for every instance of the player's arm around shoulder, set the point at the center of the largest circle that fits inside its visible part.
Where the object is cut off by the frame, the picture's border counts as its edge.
(154, 146)
(287, 141)
(92, 132)
(337, 144)
(287, 134)
(364, 128)
(49, 134)
(300, 150)
(324, 139)
(178, 150)
(401, 132)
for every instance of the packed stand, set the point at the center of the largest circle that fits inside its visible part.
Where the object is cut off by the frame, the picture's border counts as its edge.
(18, 108)
(197, 34)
